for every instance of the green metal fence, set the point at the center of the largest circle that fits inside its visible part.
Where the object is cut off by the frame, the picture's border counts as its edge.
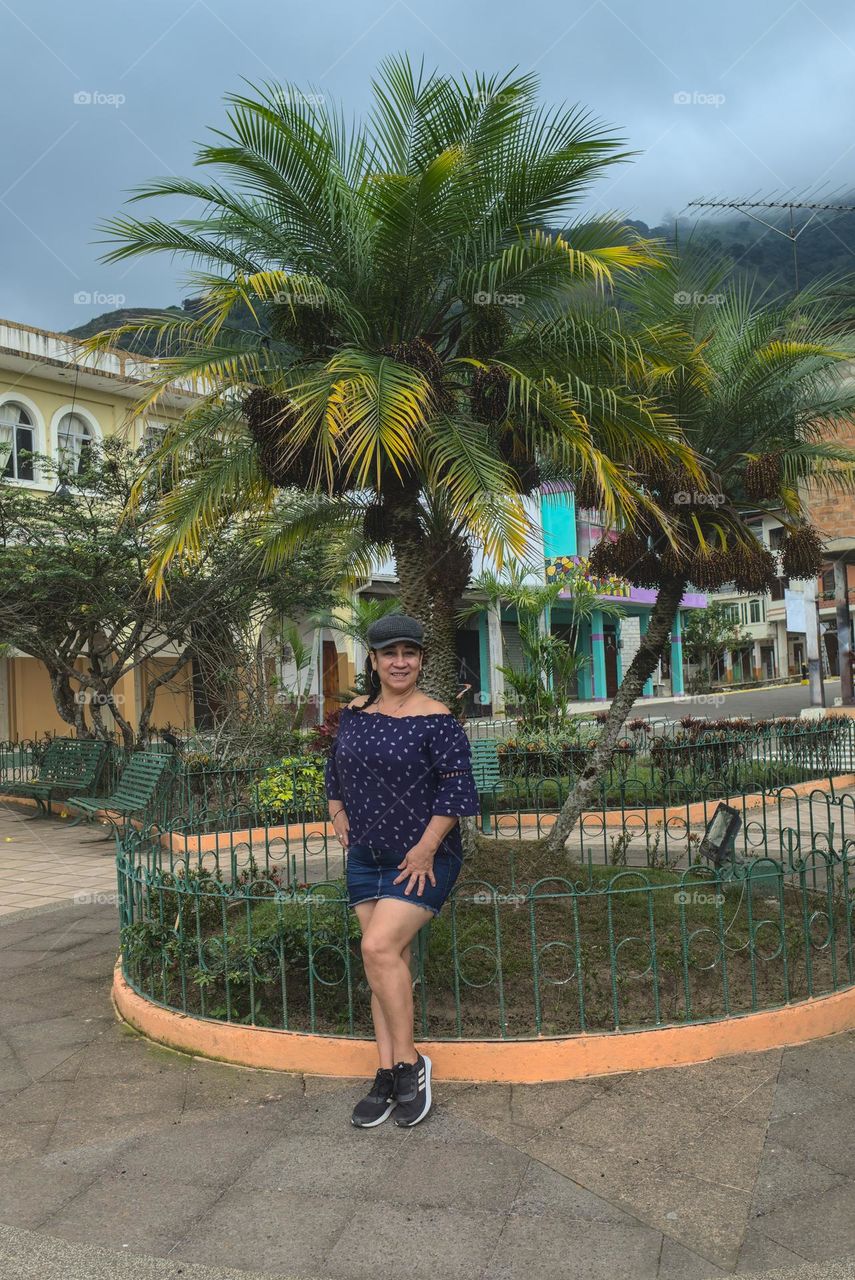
(696, 764)
(245, 933)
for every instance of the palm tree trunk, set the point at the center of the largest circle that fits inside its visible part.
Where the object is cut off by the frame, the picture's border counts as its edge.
(431, 579)
(642, 666)
(440, 675)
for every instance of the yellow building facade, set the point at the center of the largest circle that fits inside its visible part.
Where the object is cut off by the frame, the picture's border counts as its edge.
(55, 399)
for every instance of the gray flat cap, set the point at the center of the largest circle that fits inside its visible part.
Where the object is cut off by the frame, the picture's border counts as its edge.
(394, 628)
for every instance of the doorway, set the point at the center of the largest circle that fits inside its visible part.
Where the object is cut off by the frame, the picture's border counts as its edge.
(330, 671)
(610, 645)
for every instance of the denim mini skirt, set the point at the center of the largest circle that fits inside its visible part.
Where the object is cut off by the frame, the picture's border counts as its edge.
(371, 872)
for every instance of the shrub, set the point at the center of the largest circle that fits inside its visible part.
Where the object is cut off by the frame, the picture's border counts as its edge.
(292, 787)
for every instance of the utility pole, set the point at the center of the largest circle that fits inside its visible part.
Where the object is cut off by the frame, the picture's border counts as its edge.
(812, 646)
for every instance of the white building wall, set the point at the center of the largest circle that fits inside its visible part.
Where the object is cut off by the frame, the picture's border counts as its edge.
(630, 635)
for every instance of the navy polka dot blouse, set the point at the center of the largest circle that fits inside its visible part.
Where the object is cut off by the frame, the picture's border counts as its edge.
(394, 773)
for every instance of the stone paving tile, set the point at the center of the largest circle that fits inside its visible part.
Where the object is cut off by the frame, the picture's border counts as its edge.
(211, 1084)
(794, 1096)
(117, 1051)
(477, 1175)
(327, 1165)
(72, 1131)
(54, 1064)
(826, 1134)
(679, 1263)
(93, 1158)
(704, 1217)
(38, 1103)
(741, 1087)
(30, 1193)
(21, 1141)
(318, 1086)
(502, 1110)
(823, 1063)
(786, 1175)
(62, 1033)
(760, 1254)
(564, 1247)
(214, 1154)
(544, 1191)
(816, 1227)
(14, 1013)
(721, 1150)
(280, 1232)
(148, 1216)
(13, 1076)
(630, 1126)
(397, 1241)
(116, 1096)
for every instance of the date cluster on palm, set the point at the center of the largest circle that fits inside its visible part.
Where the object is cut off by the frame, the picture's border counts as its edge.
(271, 419)
(802, 555)
(750, 568)
(762, 477)
(419, 354)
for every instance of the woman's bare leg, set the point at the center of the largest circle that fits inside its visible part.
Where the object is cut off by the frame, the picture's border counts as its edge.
(364, 912)
(386, 937)
(382, 1034)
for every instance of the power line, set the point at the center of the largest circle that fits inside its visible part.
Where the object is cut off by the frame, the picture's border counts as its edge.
(789, 232)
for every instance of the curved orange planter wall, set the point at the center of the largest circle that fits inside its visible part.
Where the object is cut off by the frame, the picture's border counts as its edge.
(494, 1061)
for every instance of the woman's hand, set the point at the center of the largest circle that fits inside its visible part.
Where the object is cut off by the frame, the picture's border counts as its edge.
(341, 826)
(418, 866)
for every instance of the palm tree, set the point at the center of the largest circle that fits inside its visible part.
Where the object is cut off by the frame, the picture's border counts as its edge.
(755, 385)
(384, 322)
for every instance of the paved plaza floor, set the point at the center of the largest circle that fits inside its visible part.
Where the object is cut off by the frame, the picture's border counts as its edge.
(122, 1159)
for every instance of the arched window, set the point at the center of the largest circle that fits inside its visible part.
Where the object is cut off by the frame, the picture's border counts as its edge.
(17, 442)
(74, 438)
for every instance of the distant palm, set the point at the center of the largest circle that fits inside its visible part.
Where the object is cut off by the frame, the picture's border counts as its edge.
(756, 384)
(383, 322)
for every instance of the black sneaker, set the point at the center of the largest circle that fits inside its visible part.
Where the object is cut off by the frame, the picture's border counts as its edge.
(412, 1091)
(379, 1103)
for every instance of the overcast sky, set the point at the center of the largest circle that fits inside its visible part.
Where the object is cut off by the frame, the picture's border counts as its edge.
(722, 98)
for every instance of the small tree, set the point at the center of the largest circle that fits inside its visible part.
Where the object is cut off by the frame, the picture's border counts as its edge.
(75, 593)
(708, 633)
(544, 685)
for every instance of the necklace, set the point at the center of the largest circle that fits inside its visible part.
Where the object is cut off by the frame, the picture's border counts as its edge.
(401, 703)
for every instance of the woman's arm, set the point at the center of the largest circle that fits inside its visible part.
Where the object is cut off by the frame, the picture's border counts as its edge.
(340, 822)
(335, 802)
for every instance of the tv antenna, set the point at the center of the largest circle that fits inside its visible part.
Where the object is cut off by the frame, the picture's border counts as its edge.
(751, 204)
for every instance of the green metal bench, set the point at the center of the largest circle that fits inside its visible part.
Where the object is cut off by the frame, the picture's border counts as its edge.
(485, 770)
(68, 765)
(143, 780)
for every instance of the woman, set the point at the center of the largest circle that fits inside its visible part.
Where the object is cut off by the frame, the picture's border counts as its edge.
(397, 779)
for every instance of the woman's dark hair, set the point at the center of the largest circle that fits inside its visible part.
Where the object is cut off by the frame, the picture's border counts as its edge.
(372, 682)
(372, 679)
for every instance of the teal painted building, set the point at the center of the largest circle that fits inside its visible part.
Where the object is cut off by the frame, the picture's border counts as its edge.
(608, 643)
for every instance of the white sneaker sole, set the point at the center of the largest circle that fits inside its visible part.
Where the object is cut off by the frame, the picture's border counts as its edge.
(409, 1124)
(372, 1124)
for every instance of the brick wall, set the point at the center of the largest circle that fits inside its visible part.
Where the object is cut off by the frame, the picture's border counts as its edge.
(834, 513)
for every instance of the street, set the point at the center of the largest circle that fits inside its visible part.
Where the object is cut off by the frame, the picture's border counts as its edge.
(780, 700)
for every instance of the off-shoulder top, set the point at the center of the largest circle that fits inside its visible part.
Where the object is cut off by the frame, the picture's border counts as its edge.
(394, 773)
